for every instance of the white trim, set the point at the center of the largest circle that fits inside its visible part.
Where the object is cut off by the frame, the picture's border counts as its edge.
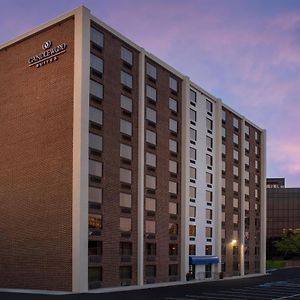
(141, 146)
(80, 152)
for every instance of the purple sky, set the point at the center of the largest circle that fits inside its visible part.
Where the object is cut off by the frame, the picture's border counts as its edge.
(246, 52)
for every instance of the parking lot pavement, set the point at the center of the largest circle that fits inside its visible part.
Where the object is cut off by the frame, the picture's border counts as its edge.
(280, 284)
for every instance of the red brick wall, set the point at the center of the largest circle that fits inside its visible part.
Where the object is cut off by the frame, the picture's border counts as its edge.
(36, 119)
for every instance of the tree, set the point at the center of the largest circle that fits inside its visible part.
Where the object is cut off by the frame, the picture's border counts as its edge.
(289, 244)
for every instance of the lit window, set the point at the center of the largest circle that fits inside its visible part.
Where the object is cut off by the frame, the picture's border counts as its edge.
(126, 151)
(96, 89)
(193, 153)
(192, 230)
(126, 79)
(173, 84)
(97, 37)
(97, 63)
(151, 70)
(125, 127)
(150, 137)
(173, 125)
(209, 106)
(209, 142)
(173, 228)
(209, 124)
(208, 214)
(95, 194)
(209, 196)
(235, 123)
(151, 92)
(126, 55)
(95, 221)
(192, 211)
(150, 159)
(125, 175)
(173, 208)
(95, 168)
(193, 96)
(192, 192)
(149, 226)
(193, 134)
(235, 138)
(173, 104)
(208, 232)
(150, 204)
(192, 173)
(150, 182)
(209, 160)
(172, 166)
(125, 224)
(95, 141)
(193, 115)
(172, 187)
(172, 146)
(126, 103)
(209, 178)
(125, 200)
(150, 115)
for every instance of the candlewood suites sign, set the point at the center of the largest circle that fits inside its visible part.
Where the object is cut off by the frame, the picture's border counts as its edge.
(48, 56)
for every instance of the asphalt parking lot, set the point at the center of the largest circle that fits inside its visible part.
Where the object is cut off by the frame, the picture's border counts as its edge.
(280, 284)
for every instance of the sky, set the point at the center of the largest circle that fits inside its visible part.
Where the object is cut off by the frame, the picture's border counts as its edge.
(246, 52)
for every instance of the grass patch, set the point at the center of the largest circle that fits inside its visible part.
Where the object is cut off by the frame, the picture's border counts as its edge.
(275, 264)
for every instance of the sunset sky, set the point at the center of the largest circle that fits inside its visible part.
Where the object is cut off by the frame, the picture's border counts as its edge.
(246, 52)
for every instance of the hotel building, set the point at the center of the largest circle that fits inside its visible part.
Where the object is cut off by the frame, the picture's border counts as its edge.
(116, 169)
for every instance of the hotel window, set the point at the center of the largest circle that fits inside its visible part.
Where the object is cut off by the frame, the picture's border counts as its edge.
(126, 79)
(247, 130)
(192, 173)
(125, 224)
(223, 132)
(235, 187)
(172, 166)
(235, 234)
(95, 168)
(209, 178)
(235, 171)
(149, 226)
(126, 56)
(235, 202)
(173, 84)
(209, 195)
(150, 271)
(247, 190)
(208, 232)
(235, 123)
(126, 103)
(150, 182)
(223, 115)
(247, 175)
(96, 115)
(172, 146)
(173, 228)
(209, 106)
(172, 187)
(208, 250)
(151, 92)
(223, 183)
(150, 204)
(256, 164)
(193, 96)
(247, 145)
(173, 208)
(173, 104)
(97, 63)
(256, 135)
(235, 138)
(223, 234)
(96, 89)
(125, 200)
(193, 153)
(193, 115)
(151, 70)
(193, 134)
(173, 125)
(223, 149)
(223, 199)
(247, 160)
(209, 142)
(150, 115)
(150, 249)
(192, 211)
(223, 166)
(192, 249)
(223, 216)
(95, 194)
(95, 141)
(150, 137)
(209, 160)
(150, 159)
(208, 214)
(125, 272)
(173, 270)
(256, 150)
(125, 175)
(125, 127)
(256, 179)
(125, 248)
(97, 37)
(95, 221)
(173, 249)
(192, 230)
(235, 155)
(209, 124)
(192, 192)
(256, 193)
(235, 219)
(126, 151)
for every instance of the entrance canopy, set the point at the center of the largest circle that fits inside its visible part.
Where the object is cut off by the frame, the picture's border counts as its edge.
(203, 260)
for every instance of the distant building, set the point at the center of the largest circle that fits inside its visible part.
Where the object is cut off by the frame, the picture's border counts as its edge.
(283, 211)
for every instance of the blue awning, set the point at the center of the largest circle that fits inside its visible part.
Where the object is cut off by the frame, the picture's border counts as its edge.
(203, 260)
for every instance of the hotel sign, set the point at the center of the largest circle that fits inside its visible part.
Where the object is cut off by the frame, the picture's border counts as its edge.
(48, 56)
